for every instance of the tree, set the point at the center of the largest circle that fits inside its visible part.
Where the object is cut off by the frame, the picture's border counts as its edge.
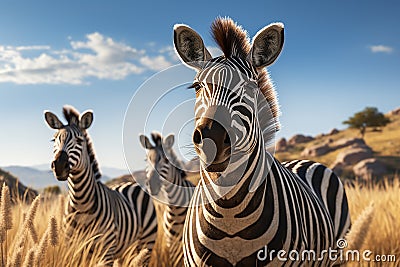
(369, 117)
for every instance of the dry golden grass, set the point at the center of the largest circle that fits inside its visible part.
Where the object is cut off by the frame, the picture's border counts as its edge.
(38, 239)
(383, 236)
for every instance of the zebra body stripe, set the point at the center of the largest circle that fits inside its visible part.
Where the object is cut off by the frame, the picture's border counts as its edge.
(122, 216)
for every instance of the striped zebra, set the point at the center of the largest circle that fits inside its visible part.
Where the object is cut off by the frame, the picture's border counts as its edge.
(248, 207)
(165, 175)
(122, 215)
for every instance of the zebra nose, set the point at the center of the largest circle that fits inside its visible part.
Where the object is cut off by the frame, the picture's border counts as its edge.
(212, 138)
(216, 132)
(60, 165)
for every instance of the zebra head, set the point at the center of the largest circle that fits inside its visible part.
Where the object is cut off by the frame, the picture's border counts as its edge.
(231, 90)
(70, 142)
(158, 160)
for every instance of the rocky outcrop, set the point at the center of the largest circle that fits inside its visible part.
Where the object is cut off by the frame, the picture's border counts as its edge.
(351, 155)
(316, 151)
(341, 143)
(395, 112)
(334, 131)
(299, 139)
(357, 157)
(354, 154)
(369, 168)
(338, 168)
(281, 145)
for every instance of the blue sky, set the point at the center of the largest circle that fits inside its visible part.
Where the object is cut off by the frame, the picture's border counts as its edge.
(339, 57)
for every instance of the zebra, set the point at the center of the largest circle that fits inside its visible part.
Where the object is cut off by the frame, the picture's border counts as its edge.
(165, 175)
(246, 202)
(123, 215)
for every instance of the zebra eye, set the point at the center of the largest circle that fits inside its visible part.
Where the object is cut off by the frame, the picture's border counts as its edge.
(53, 140)
(196, 86)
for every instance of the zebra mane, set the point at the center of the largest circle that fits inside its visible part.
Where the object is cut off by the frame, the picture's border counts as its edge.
(157, 138)
(231, 38)
(234, 42)
(71, 114)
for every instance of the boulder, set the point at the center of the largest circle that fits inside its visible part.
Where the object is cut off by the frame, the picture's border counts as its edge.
(316, 151)
(395, 112)
(337, 168)
(334, 131)
(354, 154)
(347, 142)
(299, 138)
(369, 168)
(281, 145)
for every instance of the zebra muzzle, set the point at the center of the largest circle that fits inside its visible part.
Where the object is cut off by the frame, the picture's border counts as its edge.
(60, 166)
(213, 144)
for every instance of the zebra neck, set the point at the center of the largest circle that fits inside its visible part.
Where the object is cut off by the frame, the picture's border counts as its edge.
(252, 177)
(177, 189)
(82, 190)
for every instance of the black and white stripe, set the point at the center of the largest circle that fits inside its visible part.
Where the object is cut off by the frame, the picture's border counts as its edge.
(253, 202)
(166, 181)
(328, 188)
(122, 215)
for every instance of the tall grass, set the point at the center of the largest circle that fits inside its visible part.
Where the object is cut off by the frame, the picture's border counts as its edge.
(38, 238)
(35, 236)
(383, 236)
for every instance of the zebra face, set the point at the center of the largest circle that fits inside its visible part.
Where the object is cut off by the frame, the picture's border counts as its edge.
(70, 144)
(229, 100)
(225, 111)
(158, 164)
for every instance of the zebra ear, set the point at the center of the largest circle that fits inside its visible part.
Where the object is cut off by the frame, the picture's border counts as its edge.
(168, 141)
(190, 46)
(267, 45)
(52, 120)
(86, 119)
(145, 142)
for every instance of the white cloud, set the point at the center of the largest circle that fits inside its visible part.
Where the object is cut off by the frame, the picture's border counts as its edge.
(381, 49)
(170, 52)
(33, 47)
(106, 50)
(155, 63)
(97, 56)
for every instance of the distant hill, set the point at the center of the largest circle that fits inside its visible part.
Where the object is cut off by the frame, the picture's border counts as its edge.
(33, 177)
(18, 190)
(108, 172)
(384, 143)
(40, 176)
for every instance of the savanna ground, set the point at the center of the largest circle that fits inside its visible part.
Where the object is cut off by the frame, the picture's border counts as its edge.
(36, 238)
